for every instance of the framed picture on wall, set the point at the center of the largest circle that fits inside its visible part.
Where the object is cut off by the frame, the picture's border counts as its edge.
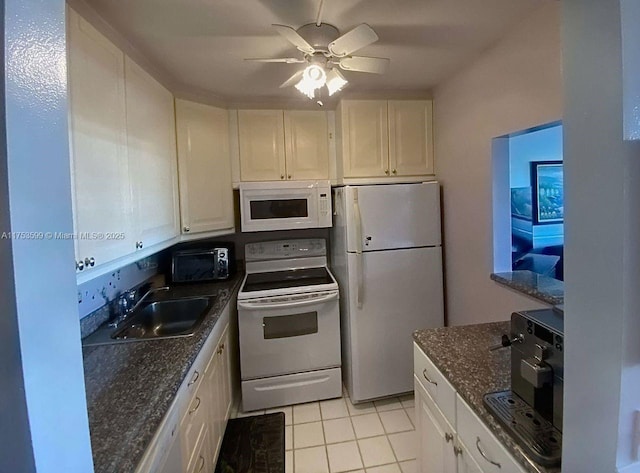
(547, 184)
(521, 203)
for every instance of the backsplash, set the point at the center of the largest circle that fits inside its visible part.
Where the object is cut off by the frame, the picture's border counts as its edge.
(94, 294)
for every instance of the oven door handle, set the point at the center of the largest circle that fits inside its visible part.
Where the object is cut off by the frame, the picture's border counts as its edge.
(288, 304)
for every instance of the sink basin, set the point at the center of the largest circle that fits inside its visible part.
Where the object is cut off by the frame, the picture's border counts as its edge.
(164, 319)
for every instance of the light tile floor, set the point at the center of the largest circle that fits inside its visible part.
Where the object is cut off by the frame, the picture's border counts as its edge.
(336, 436)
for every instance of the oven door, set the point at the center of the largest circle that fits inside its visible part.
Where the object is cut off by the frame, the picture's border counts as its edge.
(289, 334)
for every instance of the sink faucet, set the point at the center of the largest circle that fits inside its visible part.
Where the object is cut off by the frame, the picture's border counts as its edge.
(126, 304)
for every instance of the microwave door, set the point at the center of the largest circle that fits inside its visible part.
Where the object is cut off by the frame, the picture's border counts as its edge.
(282, 211)
(200, 267)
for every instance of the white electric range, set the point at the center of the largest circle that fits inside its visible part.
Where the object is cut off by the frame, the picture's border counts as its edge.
(289, 325)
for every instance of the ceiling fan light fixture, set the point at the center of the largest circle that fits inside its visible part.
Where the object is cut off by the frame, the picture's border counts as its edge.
(335, 81)
(313, 77)
(306, 89)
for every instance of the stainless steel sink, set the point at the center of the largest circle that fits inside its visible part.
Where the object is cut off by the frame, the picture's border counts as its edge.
(164, 319)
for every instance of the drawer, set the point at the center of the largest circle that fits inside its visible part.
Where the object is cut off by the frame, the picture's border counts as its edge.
(201, 459)
(291, 389)
(195, 376)
(194, 423)
(435, 384)
(481, 444)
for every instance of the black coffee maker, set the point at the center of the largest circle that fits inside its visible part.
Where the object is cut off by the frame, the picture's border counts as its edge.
(532, 410)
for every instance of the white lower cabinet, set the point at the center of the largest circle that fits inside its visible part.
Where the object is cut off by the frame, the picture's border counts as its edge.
(452, 439)
(189, 439)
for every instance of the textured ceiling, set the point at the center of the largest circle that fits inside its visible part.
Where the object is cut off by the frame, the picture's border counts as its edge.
(200, 44)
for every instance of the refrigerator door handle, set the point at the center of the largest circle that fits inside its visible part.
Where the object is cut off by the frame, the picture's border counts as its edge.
(358, 222)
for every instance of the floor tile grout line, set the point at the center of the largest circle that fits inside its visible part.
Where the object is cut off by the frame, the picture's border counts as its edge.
(356, 438)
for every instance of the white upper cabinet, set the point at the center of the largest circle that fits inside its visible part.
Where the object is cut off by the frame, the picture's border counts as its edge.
(386, 138)
(410, 137)
(123, 148)
(276, 145)
(100, 171)
(206, 195)
(261, 136)
(365, 138)
(307, 145)
(151, 144)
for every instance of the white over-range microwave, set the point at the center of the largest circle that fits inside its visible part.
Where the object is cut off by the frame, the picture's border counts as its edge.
(285, 205)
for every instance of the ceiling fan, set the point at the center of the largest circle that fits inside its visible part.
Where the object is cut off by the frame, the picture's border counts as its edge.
(324, 51)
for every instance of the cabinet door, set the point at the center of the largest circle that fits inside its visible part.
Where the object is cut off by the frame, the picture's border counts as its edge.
(226, 378)
(222, 391)
(307, 145)
(410, 137)
(212, 380)
(100, 172)
(436, 437)
(261, 140)
(152, 156)
(466, 464)
(365, 138)
(204, 164)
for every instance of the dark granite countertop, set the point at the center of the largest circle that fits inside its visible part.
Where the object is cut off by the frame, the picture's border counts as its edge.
(462, 354)
(130, 386)
(541, 287)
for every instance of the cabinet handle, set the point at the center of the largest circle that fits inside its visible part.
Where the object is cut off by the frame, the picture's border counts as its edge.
(289, 176)
(386, 171)
(484, 455)
(220, 349)
(191, 411)
(281, 176)
(89, 262)
(457, 450)
(195, 377)
(186, 229)
(448, 437)
(79, 265)
(202, 461)
(394, 171)
(139, 245)
(424, 373)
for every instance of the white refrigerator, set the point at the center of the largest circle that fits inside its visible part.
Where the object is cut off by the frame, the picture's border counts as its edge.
(387, 257)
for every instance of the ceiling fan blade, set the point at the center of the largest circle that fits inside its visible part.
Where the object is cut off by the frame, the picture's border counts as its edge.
(375, 65)
(294, 79)
(359, 37)
(288, 60)
(294, 38)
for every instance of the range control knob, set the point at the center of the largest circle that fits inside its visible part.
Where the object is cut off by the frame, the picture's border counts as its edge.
(506, 341)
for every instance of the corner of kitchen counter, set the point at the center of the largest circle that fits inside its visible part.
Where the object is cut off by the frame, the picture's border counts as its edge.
(534, 285)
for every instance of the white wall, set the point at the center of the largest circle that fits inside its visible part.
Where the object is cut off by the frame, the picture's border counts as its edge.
(515, 85)
(602, 257)
(41, 296)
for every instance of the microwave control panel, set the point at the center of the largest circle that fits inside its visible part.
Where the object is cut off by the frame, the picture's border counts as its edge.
(323, 203)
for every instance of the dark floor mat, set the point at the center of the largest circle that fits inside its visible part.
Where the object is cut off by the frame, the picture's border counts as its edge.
(253, 445)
